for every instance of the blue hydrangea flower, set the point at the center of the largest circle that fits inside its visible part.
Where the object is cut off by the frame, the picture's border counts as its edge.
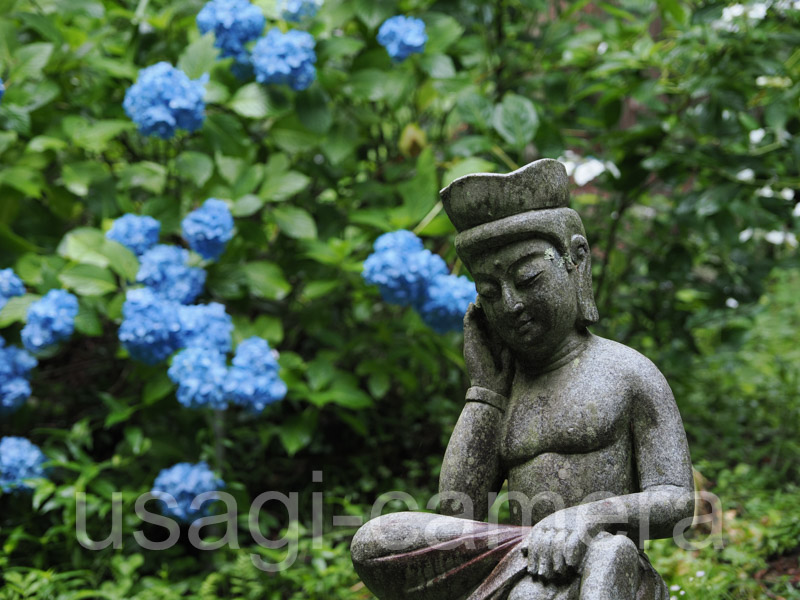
(184, 482)
(164, 270)
(234, 23)
(10, 286)
(253, 380)
(50, 320)
(206, 325)
(285, 58)
(402, 36)
(208, 229)
(164, 99)
(401, 240)
(446, 302)
(19, 460)
(401, 276)
(15, 368)
(150, 329)
(297, 10)
(2, 88)
(138, 234)
(200, 375)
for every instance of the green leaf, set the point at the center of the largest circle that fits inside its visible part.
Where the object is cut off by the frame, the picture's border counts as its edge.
(230, 167)
(121, 260)
(250, 101)
(467, 167)
(314, 111)
(157, 387)
(443, 30)
(198, 57)
(78, 177)
(373, 12)
(16, 309)
(147, 175)
(195, 166)
(420, 194)
(28, 181)
(94, 137)
(266, 280)
(88, 280)
(247, 205)
(295, 222)
(87, 321)
(292, 136)
(297, 431)
(31, 61)
(85, 245)
(515, 119)
(280, 183)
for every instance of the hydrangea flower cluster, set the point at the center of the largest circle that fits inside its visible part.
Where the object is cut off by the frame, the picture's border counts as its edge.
(208, 228)
(19, 460)
(153, 328)
(402, 36)
(234, 23)
(200, 375)
(285, 58)
(165, 270)
(297, 10)
(253, 380)
(182, 483)
(50, 320)
(150, 329)
(409, 275)
(15, 368)
(138, 234)
(446, 302)
(402, 268)
(164, 99)
(10, 286)
(204, 379)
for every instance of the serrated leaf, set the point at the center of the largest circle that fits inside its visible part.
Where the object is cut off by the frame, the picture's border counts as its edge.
(16, 309)
(30, 61)
(121, 260)
(295, 222)
(266, 280)
(516, 120)
(250, 101)
(297, 431)
(88, 280)
(198, 57)
(147, 175)
(87, 321)
(84, 245)
(195, 166)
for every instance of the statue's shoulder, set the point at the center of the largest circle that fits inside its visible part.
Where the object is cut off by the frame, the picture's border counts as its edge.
(625, 363)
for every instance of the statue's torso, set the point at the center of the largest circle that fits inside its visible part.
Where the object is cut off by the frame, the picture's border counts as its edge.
(567, 433)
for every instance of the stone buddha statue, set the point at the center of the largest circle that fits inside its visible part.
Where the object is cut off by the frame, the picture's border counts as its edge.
(584, 430)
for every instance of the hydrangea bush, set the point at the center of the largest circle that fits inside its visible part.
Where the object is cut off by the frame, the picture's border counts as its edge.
(19, 460)
(164, 100)
(119, 123)
(177, 487)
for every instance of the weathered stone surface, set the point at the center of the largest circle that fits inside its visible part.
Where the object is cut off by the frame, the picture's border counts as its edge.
(585, 430)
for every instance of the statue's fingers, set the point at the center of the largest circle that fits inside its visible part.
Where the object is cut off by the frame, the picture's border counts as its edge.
(573, 550)
(546, 557)
(557, 552)
(534, 551)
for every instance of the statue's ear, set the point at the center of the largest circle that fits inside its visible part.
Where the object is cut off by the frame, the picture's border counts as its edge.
(579, 252)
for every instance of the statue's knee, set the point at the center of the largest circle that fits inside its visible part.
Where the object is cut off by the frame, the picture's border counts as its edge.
(530, 589)
(613, 548)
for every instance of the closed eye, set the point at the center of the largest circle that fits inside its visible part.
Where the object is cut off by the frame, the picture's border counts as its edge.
(488, 291)
(528, 279)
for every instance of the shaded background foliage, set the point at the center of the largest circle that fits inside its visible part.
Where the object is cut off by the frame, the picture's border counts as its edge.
(695, 260)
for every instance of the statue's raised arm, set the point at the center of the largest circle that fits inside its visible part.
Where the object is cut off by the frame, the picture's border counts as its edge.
(584, 430)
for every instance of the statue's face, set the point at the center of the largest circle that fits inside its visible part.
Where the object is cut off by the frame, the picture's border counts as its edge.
(527, 293)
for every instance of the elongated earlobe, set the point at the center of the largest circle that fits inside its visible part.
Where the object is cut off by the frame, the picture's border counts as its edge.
(587, 309)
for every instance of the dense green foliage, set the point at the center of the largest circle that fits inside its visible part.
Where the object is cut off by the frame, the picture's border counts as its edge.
(693, 248)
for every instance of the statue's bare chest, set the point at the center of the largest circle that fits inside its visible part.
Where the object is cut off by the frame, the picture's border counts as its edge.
(564, 416)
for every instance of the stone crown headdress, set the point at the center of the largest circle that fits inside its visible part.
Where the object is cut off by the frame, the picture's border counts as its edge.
(490, 210)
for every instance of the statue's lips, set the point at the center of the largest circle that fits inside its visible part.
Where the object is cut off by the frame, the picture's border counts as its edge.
(524, 322)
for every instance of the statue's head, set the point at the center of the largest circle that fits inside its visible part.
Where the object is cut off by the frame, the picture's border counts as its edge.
(526, 250)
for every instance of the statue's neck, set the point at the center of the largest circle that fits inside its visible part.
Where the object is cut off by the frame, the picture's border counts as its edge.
(543, 361)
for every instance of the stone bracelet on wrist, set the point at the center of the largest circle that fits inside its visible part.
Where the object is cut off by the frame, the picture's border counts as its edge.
(486, 396)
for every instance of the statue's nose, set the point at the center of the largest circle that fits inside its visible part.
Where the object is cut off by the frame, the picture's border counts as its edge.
(512, 302)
